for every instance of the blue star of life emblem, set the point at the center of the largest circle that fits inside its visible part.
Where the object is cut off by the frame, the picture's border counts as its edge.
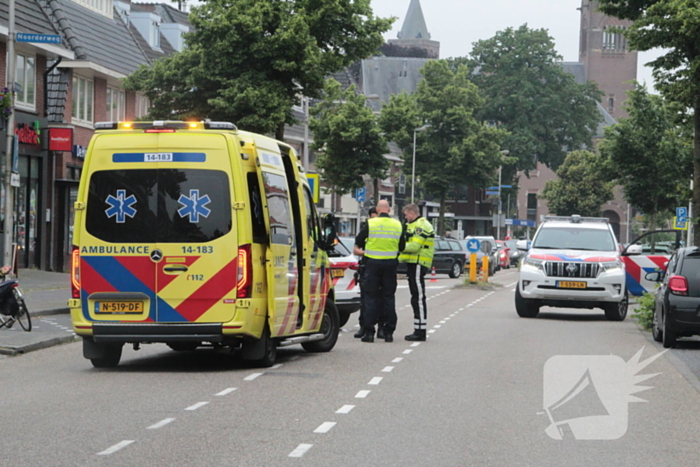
(121, 206)
(194, 206)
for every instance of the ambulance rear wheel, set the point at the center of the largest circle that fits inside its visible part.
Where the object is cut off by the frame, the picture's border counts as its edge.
(329, 329)
(110, 358)
(270, 352)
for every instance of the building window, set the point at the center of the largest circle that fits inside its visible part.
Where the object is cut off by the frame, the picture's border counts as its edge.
(104, 7)
(532, 206)
(83, 96)
(613, 41)
(25, 76)
(116, 105)
(611, 103)
(155, 35)
(142, 106)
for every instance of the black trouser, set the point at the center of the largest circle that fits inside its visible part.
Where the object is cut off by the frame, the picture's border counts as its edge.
(361, 276)
(416, 283)
(380, 289)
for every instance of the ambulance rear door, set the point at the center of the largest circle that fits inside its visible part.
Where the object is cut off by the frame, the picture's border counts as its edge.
(197, 248)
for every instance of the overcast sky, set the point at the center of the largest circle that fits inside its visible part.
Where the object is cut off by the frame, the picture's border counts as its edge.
(456, 24)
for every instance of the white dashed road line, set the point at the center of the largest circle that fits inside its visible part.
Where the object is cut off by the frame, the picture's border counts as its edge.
(161, 424)
(115, 448)
(375, 381)
(345, 409)
(275, 366)
(324, 427)
(387, 369)
(407, 351)
(415, 344)
(252, 377)
(197, 406)
(396, 360)
(225, 391)
(431, 331)
(300, 450)
(511, 285)
(362, 394)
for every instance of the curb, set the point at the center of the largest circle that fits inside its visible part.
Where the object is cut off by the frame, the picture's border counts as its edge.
(21, 349)
(52, 311)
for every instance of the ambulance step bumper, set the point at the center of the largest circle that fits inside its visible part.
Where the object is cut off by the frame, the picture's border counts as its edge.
(120, 332)
(299, 340)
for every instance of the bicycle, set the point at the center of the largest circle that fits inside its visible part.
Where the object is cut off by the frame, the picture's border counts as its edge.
(13, 309)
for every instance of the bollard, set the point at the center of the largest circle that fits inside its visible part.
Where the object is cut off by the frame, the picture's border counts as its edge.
(472, 268)
(485, 268)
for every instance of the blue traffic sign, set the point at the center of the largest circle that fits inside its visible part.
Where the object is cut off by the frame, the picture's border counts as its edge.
(521, 222)
(491, 193)
(473, 245)
(39, 38)
(360, 194)
(682, 214)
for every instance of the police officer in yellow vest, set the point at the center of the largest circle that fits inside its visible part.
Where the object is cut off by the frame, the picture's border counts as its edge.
(380, 242)
(418, 256)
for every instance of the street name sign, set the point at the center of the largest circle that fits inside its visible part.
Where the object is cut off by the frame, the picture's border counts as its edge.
(38, 38)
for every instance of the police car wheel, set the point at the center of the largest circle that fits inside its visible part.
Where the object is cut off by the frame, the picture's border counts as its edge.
(329, 329)
(616, 311)
(525, 308)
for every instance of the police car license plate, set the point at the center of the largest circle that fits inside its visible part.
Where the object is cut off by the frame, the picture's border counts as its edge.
(337, 272)
(571, 285)
(119, 307)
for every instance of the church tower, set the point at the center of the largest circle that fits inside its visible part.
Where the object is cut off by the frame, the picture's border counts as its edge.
(414, 33)
(606, 57)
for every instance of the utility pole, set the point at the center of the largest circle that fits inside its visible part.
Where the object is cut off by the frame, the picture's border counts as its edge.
(9, 202)
(500, 204)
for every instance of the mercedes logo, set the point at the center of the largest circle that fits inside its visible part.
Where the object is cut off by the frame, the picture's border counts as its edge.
(156, 255)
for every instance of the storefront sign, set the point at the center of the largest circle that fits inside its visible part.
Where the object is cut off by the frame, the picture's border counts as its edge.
(60, 139)
(14, 179)
(79, 151)
(28, 133)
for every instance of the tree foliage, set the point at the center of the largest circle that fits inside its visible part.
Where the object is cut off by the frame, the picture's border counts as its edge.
(674, 26)
(649, 154)
(348, 139)
(455, 147)
(528, 93)
(581, 188)
(247, 61)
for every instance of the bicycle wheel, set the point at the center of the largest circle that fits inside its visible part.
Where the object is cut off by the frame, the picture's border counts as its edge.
(23, 317)
(4, 320)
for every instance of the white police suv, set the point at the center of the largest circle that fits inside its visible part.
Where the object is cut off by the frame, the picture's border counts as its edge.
(573, 262)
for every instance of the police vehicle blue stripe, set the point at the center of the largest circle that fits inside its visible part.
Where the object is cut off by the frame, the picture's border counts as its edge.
(176, 157)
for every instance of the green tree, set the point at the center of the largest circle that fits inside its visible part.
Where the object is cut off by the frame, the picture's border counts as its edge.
(674, 26)
(581, 188)
(348, 139)
(248, 61)
(649, 154)
(528, 93)
(455, 147)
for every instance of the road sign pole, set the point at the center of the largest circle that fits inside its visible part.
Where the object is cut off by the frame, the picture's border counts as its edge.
(498, 229)
(11, 72)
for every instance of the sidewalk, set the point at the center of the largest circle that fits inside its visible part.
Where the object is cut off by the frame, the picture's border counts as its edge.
(46, 294)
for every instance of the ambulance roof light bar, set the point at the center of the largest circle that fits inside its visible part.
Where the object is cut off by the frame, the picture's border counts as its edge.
(165, 124)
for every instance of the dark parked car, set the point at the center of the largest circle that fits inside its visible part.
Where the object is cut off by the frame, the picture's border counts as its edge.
(449, 258)
(678, 298)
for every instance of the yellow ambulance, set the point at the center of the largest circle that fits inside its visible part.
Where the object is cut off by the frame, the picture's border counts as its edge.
(196, 234)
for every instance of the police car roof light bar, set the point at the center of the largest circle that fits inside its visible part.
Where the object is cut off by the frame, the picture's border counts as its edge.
(576, 219)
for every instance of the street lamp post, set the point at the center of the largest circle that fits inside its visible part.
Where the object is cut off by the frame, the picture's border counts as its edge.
(413, 170)
(505, 152)
(9, 204)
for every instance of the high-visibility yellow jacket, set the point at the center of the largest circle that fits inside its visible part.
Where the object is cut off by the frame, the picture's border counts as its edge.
(383, 238)
(420, 243)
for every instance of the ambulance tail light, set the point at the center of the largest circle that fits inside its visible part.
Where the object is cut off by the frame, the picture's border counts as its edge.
(245, 272)
(75, 272)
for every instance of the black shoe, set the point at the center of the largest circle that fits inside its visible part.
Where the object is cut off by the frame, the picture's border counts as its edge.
(416, 336)
(359, 333)
(380, 333)
(389, 337)
(368, 338)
